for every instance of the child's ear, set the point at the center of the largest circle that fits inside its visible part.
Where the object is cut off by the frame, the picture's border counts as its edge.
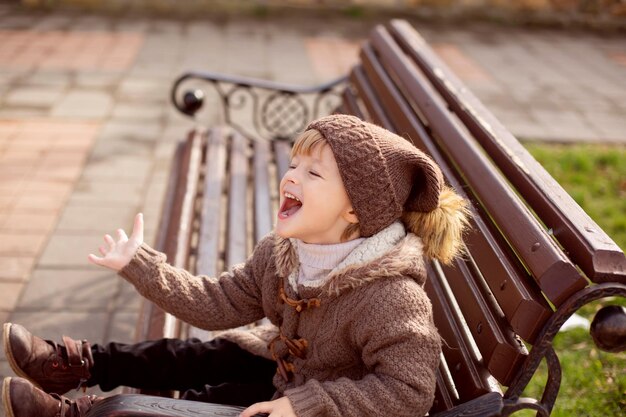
(350, 216)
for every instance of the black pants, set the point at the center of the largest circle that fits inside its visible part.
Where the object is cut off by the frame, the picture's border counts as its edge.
(218, 371)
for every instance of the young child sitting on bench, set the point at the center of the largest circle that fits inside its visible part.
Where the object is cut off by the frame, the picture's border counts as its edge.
(340, 278)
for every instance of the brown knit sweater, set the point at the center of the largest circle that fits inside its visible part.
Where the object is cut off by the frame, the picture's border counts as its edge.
(362, 344)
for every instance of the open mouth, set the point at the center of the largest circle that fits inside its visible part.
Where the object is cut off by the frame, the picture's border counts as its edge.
(290, 206)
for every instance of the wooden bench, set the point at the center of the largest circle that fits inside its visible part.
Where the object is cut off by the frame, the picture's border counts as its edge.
(534, 257)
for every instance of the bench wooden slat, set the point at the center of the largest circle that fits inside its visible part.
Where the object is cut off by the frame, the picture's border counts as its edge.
(188, 190)
(237, 248)
(350, 104)
(282, 152)
(554, 272)
(499, 352)
(188, 193)
(520, 300)
(152, 318)
(502, 353)
(208, 262)
(262, 194)
(592, 249)
(445, 392)
(366, 93)
(462, 365)
(523, 305)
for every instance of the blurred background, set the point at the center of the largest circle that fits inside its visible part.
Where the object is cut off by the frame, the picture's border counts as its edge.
(87, 130)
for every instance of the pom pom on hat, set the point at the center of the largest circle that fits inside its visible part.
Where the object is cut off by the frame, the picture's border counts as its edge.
(441, 229)
(384, 174)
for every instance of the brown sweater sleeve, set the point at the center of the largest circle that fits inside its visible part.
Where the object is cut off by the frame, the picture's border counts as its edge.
(233, 299)
(400, 345)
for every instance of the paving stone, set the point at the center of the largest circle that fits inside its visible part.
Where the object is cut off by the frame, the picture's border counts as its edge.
(101, 193)
(145, 90)
(21, 244)
(40, 202)
(173, 131)
(610, 125)
(84, 104)
(70, 290)
(53, 324)
(70, 250)
(345, 52)
(33, 97)
(122, 170)
(95, 219)
(17, 22)
(5, 370)
(16, 268)
(144, 112)
(127, 149)
(11, 77)
(9, 295)
(53, 22)
(166, 26)
(567, 124)
(128, 24)
(91, 23)
(57, 79)
(528, 132)
(130, 130)
(123, 327)
(41, 222)
(589, 104)
(91, 79)
(128, 299)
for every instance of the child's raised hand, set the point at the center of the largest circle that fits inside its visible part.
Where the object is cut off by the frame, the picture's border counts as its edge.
(117, 254)
(278, 408)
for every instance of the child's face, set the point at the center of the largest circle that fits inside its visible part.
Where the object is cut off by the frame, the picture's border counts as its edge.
(323, 211)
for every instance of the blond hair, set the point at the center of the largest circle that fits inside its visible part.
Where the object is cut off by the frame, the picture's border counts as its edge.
(305, 144)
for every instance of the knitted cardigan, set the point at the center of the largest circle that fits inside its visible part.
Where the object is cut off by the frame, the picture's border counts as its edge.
(362, 344)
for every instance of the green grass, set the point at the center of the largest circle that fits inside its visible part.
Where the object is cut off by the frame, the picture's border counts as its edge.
(595, 176)
(594, 382)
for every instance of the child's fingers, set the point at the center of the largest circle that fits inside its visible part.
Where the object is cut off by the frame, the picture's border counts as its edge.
(110, 241)
(103, 250)
(137, 233)
(95, 259)
(257, 408)
(121, 235)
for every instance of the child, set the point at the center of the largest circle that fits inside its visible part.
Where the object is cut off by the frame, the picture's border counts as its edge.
(341, 278)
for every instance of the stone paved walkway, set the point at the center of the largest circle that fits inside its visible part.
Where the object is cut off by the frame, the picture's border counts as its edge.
(87, 132)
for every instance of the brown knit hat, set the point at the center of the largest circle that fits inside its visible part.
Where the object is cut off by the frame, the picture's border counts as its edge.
(384, 174)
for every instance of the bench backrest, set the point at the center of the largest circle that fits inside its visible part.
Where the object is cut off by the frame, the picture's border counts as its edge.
(531, 246)
(223, 199)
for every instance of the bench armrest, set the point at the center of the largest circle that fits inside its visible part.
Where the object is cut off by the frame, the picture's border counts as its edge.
(258, 108)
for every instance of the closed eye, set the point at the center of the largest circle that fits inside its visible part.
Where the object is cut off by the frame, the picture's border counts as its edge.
(315, 174)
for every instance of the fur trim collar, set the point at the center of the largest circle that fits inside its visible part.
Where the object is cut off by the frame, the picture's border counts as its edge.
(390, 252)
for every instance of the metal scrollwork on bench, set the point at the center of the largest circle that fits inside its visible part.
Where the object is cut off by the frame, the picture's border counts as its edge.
(257, 108)
(543, 348)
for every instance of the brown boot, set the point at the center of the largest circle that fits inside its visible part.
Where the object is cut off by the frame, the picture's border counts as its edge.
(52, 367)
(23, 399)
